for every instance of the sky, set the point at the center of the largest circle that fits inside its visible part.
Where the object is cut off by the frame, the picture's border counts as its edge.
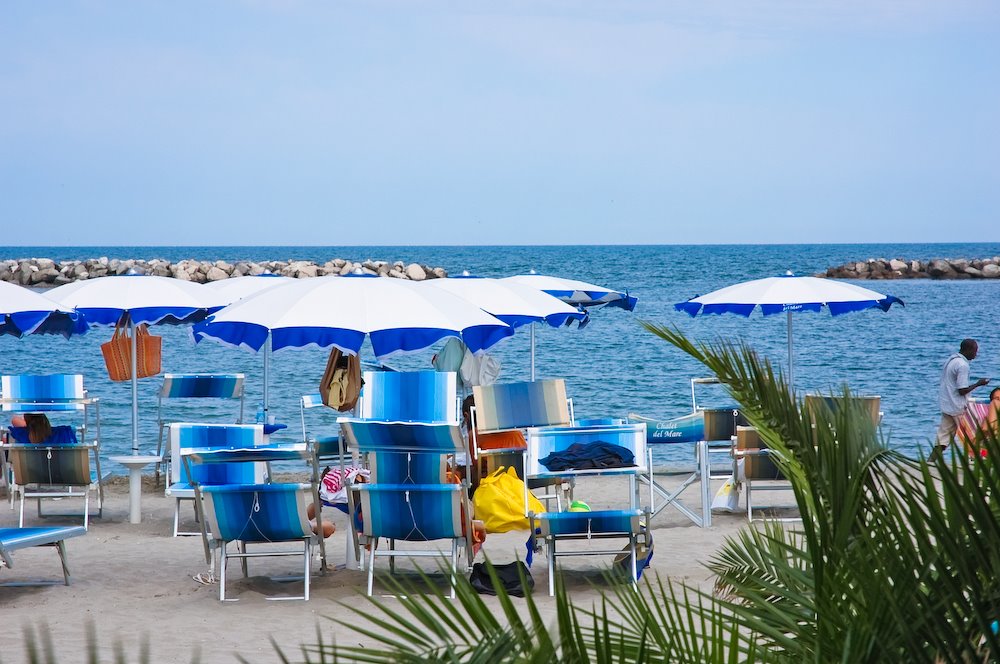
(371, 122)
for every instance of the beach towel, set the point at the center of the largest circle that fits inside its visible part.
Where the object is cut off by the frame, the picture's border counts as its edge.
(589, 456)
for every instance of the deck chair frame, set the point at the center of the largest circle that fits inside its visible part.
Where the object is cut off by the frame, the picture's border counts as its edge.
(13, 539)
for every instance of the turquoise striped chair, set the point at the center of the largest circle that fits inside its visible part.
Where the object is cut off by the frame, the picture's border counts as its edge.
(12, 539)
(629, 522)
(271, 514)
(410, 396)
(179, 389)
(185, 437)
(408, 498)
(42, 472)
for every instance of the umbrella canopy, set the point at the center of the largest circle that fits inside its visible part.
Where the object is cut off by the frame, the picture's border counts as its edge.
(238, 288)
(396, 315)
(138, 299)
(788, 294)
(23, 311)
(146, 299)
(576, 292)
(511, 302)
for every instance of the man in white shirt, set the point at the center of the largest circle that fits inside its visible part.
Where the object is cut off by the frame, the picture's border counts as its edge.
(954, 393)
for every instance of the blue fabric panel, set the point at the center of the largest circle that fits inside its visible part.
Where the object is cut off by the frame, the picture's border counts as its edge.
(150, 315)
(43, 392)
(407, 468)
(371, 436)
(575, 523)
(194, 436)
(408, 396)
(412, 513)
(257, 512)
(43, 322)
(236, 334)
(194, 386)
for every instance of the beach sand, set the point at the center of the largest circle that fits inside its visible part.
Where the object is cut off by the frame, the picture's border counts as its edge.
(134, 583)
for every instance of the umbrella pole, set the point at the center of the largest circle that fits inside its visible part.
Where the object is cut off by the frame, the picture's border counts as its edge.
(791, 374)
(267, 364)
(135, 392)
(532, 331)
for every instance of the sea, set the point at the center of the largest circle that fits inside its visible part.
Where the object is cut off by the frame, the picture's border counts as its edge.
(612, 366)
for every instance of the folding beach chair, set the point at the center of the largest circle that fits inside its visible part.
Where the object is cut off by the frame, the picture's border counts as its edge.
(408, 497)
(180, 389)
(56, 395)
(572, 452)
(13, 539)
(187, 436)
(500, 415)
(43, 472)
(970, 427)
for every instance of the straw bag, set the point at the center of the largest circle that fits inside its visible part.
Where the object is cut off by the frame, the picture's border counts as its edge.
(118, 353)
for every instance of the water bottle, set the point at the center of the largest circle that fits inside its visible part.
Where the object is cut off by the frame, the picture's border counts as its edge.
(260, 413)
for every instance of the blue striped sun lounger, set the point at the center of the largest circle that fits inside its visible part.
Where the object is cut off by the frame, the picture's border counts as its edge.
(186, 437)
(27, 393)
(43, 472)
(13, 539)
(265, 514)
(505, 406)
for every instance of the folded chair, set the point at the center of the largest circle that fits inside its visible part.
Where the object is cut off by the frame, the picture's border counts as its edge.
(577, 448)
(502, 412)
(186, 436)
(12, 539)
(178, 389)
(55, 471)
(408, 497)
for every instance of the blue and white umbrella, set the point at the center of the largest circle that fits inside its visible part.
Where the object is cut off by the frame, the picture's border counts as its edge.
(239, 288)
(23, 311)
(576, 292)
(395, 315)
(788, 294)
(511, 302)
(137, 299)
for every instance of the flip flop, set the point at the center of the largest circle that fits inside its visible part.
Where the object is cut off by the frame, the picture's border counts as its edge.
(204, 578)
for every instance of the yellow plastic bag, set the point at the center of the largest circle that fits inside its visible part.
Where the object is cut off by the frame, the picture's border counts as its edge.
(499, 502)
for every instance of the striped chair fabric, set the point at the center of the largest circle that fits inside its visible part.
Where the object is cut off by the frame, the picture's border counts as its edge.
(198, 386)
(12, 539)
(412, 513)
(578, 523)
(410, 396)
(259, 513)
(544, 441)
(43, 392)
(519, 405)
(375, 436)
(54, 471)
(187, 436)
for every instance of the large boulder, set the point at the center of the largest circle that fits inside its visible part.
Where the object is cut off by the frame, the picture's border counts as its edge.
(216, 273)
(415, 272)
(939, 268)
(897, 265)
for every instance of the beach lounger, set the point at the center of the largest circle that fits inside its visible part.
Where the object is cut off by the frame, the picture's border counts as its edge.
(179, 389)
(13, 539)
(408, 497)
(52, 394)
(41, 472)
(630, 521)
(187, 436)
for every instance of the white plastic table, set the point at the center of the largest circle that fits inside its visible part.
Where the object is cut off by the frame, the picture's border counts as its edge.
(135, 464)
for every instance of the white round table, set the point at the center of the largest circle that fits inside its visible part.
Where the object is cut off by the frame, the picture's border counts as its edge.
(135, 464)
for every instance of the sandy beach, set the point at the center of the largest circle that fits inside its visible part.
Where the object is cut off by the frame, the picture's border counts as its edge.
(134, 583)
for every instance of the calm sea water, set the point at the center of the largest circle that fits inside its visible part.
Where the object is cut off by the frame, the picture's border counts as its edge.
(611, 366)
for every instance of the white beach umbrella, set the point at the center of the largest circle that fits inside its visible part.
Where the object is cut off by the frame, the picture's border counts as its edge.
(576, 292)
(511, 302)
(238, 288)
(136, 299)
(396, 315)
(788, 294)
(23, 311)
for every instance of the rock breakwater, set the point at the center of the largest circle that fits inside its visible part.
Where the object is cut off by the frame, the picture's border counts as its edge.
(935, 268)
(48, 272)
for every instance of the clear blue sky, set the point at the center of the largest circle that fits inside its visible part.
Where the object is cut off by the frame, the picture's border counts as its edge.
(474, 122)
